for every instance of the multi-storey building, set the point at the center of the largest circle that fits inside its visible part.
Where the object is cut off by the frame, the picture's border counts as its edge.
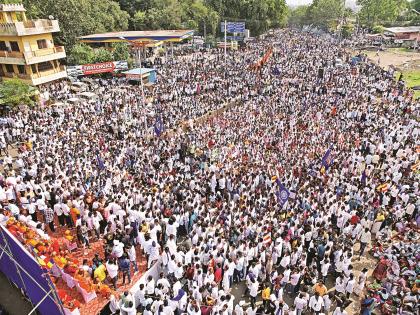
(27, 49)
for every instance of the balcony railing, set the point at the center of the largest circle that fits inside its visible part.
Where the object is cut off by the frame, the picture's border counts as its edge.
(47, 51)
(48, 72)
(24, 76)
(29, 27)
(11, 54)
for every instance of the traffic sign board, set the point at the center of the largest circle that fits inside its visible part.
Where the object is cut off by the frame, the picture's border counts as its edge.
(233, 27)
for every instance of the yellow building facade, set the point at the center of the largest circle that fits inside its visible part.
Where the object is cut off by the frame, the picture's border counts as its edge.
(27, 49)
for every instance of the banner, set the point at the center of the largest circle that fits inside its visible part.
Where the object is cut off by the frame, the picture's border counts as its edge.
(233, 27)
(95, 68)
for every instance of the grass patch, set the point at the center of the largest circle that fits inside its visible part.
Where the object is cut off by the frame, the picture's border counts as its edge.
(402, 49)
(411, 78)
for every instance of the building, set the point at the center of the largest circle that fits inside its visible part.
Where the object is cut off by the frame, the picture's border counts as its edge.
(404, 33)
(27, 49)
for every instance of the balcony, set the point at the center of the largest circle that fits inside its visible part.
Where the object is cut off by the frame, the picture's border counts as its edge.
(46, 54)
(49, 75)
(30, 27)
(12, 57)
(40, 77)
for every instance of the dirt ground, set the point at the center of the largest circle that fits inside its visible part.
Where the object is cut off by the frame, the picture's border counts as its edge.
(404, 61)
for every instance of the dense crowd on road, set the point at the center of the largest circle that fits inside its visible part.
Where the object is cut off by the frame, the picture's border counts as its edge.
(311, 166)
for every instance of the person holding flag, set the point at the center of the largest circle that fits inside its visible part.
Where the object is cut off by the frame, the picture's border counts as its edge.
(159, 128)
(282, 194)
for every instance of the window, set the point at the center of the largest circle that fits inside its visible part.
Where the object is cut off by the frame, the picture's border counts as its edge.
(42, 43)
(21, 69)
(14, 46)
(3, 45)
(45, 66)
(9, 68)
(1, 71)
(33, 67)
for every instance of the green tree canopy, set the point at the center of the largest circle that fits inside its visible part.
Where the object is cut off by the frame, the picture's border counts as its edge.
(15, 92)
(102, 55)
(381, 11)
(80, 54)
(298, 16)
(81, 17)
(324, 13)
(120, 51)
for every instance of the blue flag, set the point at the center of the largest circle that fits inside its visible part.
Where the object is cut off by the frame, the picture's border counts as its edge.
(158, 126)
(282, 194)
(327, 160)
(363, 178)
(100, 162)
(276, 71)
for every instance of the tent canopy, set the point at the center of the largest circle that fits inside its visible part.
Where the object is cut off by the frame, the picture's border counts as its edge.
(138, 36)
(139, 71)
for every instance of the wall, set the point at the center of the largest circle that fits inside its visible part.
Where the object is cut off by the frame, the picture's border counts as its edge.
(32, 39)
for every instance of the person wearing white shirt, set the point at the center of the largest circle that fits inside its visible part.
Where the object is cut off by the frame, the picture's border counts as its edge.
(129, 309)
(365, 239)
(300, 303)
(316, 303)
(350, 286)
(253, 291)
(338, 311)
(112, 269)
(140, 296)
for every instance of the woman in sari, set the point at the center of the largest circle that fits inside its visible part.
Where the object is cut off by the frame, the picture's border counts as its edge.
(381, 269)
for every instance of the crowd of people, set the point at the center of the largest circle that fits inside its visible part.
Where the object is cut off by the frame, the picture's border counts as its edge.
(276, 198)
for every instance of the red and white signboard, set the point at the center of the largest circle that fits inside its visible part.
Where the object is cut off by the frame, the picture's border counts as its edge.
(96, 68)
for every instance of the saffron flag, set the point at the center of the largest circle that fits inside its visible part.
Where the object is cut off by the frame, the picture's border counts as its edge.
(282, 194)
(158, 126)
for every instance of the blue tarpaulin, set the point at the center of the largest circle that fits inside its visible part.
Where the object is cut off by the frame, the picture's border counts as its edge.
(21, 268)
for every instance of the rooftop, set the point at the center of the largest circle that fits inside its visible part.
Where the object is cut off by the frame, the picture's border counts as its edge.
(12, 8)
(408, 29)
(139, 36)
(139, 71)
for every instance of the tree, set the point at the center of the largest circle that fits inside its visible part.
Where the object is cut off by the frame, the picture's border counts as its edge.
(377, 29)
(380, 11)
(81, 54)
(298, 16)
(15, 92)
(139, 20)
(81, 17)
(415, 4)
(120, 51)
(102, 55)
(325, 13)
(347, 30)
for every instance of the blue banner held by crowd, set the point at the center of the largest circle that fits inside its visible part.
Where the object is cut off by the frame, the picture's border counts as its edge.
(159, 128)
(282, 193)
(363, 178)
(327, 160)
(100, 162)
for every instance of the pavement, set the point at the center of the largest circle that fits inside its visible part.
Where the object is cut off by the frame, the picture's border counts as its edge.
(11, 298)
